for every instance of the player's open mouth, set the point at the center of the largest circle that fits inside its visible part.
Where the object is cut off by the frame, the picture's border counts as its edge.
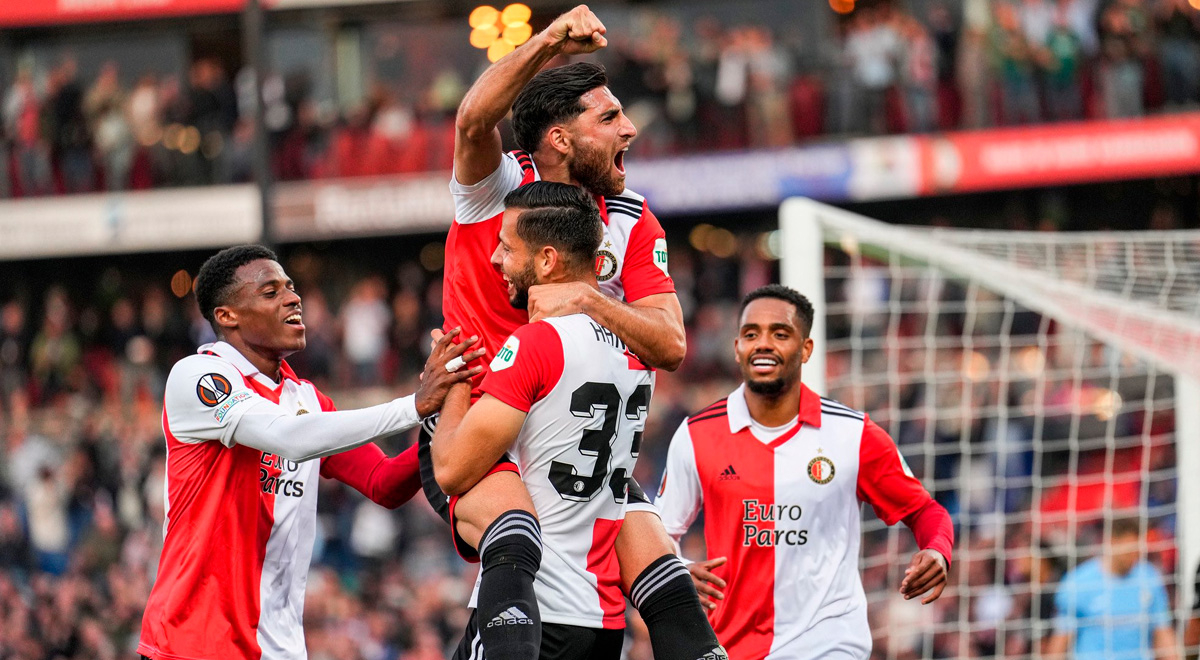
(764, 363)
(294, 320)
(619, 160)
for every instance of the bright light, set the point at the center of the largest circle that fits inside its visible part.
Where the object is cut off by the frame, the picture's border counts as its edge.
(484, 36)
(847, 6)
(1194, 3)
(722, 243)
(500, 32)
(699, 236)
(484, 15)
(1107, 403)
(976, 366)
(515, 14)
(519, 33)
(499, 49)
(181, 283)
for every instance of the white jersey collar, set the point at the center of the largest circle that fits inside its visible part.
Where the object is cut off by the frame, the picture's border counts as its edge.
(738, 411)
(227, 352)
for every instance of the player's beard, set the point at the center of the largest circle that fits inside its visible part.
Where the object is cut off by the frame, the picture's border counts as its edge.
(774, 386)
(521, 282)
(593, 169)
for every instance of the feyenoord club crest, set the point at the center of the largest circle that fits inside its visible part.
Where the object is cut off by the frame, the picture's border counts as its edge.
(212, 389)
(820, 470)
(606, 265)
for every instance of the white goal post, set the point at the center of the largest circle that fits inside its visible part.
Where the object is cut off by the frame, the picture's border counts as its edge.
(1042, 385)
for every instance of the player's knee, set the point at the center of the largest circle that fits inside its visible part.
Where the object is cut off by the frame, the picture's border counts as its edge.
(514, 539)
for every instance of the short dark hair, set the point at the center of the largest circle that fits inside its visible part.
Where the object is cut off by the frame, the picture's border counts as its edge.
(560, 215)
(1126, 526)
(551, 97)
(216, 279)
(804, 308)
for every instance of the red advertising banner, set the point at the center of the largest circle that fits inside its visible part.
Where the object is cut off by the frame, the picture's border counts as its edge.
(20, 13)
(1166, 145)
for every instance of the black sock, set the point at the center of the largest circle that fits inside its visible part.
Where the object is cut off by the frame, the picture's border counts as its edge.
(668, 602)
(510, 625)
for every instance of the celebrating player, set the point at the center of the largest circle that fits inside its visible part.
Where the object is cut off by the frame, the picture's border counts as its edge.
(569, 400)
(241, 497)
(571, 130)
(779, 473)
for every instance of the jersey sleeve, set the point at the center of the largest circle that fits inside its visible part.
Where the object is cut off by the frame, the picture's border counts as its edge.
(884, 480)
(645, 272)
(1160, 609)
(526, 367)
(484, 199)
(206, 397)
(680, 495)
(1065, 600)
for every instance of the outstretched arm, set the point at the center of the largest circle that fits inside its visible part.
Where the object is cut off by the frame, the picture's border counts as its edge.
(388, 482)
(477, 147)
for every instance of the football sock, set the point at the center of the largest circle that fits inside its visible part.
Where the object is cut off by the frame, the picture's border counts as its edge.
(510, 625)
(668, 602)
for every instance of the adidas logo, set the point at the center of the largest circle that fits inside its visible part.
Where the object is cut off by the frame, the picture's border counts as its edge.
(729, 474)
(715, 654)
(510, 617)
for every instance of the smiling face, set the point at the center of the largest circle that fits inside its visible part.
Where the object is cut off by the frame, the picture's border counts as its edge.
(598, 140)
(514, 260)
(264, 310)
(770, 346)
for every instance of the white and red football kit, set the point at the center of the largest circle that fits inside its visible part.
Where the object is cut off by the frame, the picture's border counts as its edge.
(587, 398)
(241, 518)
(630, 264)
(783, 505)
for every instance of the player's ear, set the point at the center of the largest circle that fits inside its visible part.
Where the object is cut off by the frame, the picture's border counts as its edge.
(546, 261)
(225, 317)
(806, 350)
(559, 140)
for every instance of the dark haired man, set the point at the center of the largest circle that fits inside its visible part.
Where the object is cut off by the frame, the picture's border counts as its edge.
(547, 388)
(571, 130)
(241, 499)
(780, 473)
(1114, 606)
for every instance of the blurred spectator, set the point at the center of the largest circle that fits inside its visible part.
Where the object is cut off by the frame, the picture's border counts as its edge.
(872, 47)
(691, 79)
(1123, 29)
(1015, 58)
(1114, 606)
(1179, 48)
(69, 136)
(364, 321)
(1062, 61)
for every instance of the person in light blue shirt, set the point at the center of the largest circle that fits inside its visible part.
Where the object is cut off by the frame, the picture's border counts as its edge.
(1114, 606)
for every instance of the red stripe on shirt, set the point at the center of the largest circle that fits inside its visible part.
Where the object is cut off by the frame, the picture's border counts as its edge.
(602, 562)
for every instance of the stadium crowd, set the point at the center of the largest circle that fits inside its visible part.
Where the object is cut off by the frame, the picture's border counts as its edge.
(83, 362)
(692, 78)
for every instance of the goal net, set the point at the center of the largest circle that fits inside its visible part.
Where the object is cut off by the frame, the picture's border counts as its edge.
(1043, 386)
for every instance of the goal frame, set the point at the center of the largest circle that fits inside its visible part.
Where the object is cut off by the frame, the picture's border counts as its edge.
(804, 229)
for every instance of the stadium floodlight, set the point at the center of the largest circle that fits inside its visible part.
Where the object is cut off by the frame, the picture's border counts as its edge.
(499, 32)
(1041, 384)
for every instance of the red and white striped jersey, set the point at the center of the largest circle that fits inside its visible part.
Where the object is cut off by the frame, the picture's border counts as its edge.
(785, 511)
(587, 398)
(240, 523)
(630, 264)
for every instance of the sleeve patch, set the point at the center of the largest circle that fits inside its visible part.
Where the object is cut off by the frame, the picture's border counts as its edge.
(212, 389)
(219, 413)
(904, 464)
(507, 355)
(660, 255)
